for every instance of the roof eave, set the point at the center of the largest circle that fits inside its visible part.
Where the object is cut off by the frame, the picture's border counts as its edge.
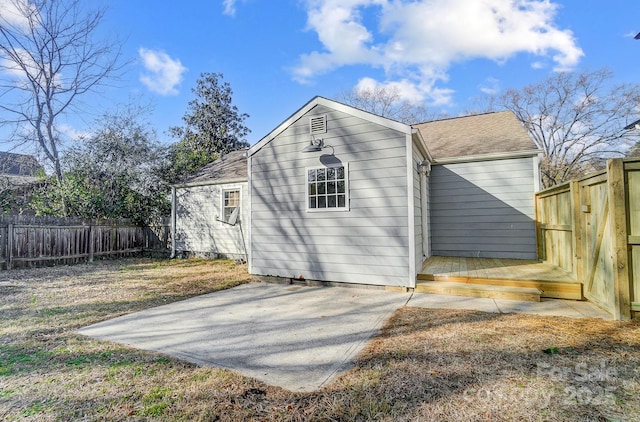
(634, 125)
(210, 182)
(488, 157)
(417, 135)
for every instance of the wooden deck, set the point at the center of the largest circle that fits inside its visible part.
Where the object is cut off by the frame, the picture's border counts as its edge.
(498, 278)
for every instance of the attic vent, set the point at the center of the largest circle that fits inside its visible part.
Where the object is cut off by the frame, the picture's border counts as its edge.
(318, 124)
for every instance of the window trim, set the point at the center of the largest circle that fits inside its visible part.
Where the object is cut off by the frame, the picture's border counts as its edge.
(230, 188)
(347, 198)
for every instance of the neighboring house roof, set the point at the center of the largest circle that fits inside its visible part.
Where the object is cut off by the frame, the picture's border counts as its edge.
(633, 125)
(17, 170)
(477, 135)
(229, 168)
(18, 164)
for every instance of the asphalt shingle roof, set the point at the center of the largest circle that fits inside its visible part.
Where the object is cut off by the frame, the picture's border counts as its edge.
(18, 164)
(479, 134)
(232, 166)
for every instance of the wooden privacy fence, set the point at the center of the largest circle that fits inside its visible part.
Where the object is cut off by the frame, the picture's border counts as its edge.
(33, 241)
(591, 227)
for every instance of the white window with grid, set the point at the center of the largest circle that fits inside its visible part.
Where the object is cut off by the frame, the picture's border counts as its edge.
(328, 188)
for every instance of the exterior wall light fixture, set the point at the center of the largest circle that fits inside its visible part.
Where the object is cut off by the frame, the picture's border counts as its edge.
(315, 145)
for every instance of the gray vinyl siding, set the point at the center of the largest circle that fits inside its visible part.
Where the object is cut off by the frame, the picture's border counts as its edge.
(483, 209)
(197, 229)
(368, 243)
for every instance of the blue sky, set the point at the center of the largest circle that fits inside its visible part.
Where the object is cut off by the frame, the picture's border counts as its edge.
(277, 55)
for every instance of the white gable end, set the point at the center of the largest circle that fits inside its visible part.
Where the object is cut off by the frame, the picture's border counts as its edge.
(334, 105)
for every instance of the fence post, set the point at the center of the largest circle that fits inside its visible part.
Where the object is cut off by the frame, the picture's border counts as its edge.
(90, 242)
(5, 244)
(145, 238)
(576, 228)
(539, 238)
(619, 241)
(9, 245)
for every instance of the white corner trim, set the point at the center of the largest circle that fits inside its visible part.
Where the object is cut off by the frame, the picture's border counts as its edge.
(537, 182)
(249, 219)
(411, 242)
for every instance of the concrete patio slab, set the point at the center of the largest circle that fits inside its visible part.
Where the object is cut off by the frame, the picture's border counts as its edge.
(295, 337)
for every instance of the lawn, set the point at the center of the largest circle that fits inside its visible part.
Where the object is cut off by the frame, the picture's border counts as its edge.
(425, 364)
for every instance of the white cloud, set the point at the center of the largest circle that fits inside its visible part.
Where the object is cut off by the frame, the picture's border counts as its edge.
(14, 15)
(345, 38)
(491, 86)
(419, 40)
(409, 91)
(15, 12)
(163, 73)
(14, 65)
(405, 89)
(71, 132)
(22, 69)
(229, 6)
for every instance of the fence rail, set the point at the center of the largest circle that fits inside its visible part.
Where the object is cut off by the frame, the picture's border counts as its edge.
(591, 227)
(33, 241)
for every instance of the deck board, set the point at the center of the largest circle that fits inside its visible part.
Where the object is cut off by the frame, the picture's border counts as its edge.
(495, 268)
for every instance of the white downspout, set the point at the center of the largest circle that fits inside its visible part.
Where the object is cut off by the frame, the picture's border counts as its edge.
(425, 174)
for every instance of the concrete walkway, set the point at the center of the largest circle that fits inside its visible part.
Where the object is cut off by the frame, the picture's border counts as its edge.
(295, 337)
(546, 307)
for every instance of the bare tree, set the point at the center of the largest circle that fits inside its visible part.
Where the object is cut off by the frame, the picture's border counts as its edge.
(48, 60)
(577, 119)
(113, 173)
(385, 102)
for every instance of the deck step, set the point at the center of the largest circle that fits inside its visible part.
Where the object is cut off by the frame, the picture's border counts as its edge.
(551, 289)
(479, 290)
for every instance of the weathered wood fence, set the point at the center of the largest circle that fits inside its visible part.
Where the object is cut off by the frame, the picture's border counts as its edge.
(591, 227)
(37, 241)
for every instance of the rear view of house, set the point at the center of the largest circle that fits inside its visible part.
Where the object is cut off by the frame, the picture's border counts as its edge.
(339, 194)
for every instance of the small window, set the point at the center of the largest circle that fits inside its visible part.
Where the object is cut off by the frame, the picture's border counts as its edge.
(318, 124)
(327, 188)
(230, 202)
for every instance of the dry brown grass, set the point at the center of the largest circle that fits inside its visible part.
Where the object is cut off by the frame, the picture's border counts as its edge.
(424, 365)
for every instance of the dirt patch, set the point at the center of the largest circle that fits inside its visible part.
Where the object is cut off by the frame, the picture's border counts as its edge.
(425, 364)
